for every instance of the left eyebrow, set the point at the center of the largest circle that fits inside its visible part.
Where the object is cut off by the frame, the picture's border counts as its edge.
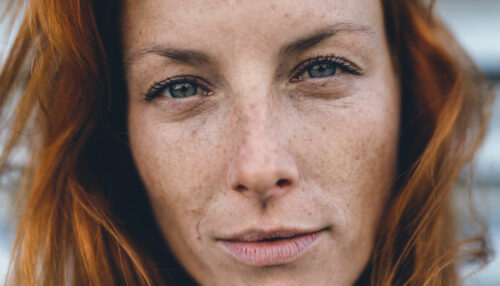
(322, 34)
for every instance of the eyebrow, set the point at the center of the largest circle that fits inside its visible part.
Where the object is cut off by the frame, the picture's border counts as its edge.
(320, 35)
(196, 57)
(186, 56)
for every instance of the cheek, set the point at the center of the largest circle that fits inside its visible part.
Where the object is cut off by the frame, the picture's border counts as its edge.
(175, 167)
(352, 155)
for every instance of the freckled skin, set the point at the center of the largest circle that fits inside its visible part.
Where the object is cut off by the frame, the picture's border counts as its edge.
(212, 165)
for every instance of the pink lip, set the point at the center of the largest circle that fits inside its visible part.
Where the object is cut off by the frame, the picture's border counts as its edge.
(266, 249)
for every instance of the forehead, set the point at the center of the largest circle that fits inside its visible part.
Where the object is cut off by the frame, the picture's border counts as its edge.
(212, 24)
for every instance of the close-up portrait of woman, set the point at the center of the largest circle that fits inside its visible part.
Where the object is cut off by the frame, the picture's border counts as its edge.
(239, 142)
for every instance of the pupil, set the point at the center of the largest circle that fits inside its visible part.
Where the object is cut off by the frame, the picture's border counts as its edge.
(322, 70)
(183, 89)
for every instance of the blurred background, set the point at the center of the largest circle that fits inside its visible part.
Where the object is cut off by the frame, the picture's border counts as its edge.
(476, 24)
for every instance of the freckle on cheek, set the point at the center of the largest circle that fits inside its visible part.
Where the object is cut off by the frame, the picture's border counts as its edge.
(195, 212)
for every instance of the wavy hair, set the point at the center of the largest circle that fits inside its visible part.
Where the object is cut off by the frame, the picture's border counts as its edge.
(85, 218)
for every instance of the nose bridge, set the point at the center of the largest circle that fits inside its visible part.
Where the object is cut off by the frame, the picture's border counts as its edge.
(255, 120)
(260, 141)
(261, 166)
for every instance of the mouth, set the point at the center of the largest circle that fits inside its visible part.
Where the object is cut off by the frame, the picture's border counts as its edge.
(258, 248)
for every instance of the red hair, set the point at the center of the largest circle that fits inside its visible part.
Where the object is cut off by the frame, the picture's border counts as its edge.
(84, 212)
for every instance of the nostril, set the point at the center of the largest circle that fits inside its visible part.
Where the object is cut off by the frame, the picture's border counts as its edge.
(283, 183)
(240, 188)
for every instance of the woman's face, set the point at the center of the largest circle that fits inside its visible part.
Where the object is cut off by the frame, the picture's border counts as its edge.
(265, 133)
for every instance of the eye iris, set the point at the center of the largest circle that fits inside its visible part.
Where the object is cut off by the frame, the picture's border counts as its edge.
(183, 89)
(322, 70)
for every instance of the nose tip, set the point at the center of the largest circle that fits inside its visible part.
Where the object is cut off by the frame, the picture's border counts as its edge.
(265, 175)
(263, 166)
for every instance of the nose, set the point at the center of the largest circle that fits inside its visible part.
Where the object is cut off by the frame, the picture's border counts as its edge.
(262, 168)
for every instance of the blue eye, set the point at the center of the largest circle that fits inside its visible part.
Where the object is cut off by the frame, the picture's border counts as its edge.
(177, 88)
(322, 70)
(323, 67)
(183, 89)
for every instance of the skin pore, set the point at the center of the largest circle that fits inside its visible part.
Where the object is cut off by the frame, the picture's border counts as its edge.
(263, 117)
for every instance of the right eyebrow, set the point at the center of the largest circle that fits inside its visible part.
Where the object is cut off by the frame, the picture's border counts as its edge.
(191, 57)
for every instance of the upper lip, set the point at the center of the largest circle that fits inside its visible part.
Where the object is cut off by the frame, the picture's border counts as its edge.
(259, 235)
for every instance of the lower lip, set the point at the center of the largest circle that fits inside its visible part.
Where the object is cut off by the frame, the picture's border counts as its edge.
(267, 253)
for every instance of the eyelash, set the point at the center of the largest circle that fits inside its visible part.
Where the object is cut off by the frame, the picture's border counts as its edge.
(160, 86)
(339, 62)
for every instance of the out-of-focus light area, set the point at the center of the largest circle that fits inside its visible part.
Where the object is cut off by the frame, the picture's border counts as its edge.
(476, 24)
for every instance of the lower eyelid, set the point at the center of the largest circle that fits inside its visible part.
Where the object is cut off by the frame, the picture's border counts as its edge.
(295, 78)
(326, 90)
(311, 85)
(337, 77)
(315, 82)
